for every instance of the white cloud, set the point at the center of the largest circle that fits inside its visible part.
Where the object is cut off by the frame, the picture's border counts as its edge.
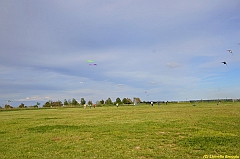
(34, 98)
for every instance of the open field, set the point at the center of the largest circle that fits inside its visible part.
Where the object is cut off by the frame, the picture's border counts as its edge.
(166, 131)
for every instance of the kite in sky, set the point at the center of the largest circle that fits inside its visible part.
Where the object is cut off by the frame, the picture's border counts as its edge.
(90, 60)
(152, 83)
(230, 51)
(225, 63)
(91, 63)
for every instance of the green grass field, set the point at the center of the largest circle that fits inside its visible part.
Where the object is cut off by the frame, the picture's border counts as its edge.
(143, 131)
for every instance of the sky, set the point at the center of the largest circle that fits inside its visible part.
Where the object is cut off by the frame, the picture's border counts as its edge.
(165, 50)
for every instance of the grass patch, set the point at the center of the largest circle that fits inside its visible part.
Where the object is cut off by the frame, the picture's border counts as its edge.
(211, 143)
(166, 131)
(49, 118)
(52, 128)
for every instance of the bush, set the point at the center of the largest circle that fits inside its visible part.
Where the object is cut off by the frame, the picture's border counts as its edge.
(8, 106)
(21, 105)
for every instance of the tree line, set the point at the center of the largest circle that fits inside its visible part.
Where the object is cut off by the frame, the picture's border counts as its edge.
(74, 102)
(82, 102)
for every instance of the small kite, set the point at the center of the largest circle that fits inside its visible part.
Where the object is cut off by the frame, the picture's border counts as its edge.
(230, 51)
(90, 60)
(152, 83)
(225, 63)
(93, 64)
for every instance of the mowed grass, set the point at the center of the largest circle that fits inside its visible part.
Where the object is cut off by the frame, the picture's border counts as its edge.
(143, 131)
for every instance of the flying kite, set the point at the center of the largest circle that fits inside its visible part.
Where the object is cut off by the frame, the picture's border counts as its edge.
(225, 63)
(152, 83)
(90, 60)
(91, 63)
(230, 51)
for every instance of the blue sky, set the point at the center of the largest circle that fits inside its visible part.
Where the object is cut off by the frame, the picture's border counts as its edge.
(154, 50)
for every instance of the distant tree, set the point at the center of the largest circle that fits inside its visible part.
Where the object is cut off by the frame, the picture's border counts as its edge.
(48, 104)
(98, 103)
(89, 102)
(69, 102)
(57, 104)
(136, 100)
(118, 100)
(101, 101)
(124, 100)
(35, 106)
(74, 102)
(21, 105)
(127, 101)
(108, 101)
(7, 106)
(60, 103)
(38, 104)
(83, 101)
(52, 104)
(65, 102)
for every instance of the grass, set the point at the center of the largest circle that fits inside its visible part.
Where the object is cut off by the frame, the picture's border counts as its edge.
(166, 131)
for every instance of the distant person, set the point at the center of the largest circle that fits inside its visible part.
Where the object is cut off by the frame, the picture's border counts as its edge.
(166, 102)
(85, 106)
(94, 105)
(152, 103)
(117, 105)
